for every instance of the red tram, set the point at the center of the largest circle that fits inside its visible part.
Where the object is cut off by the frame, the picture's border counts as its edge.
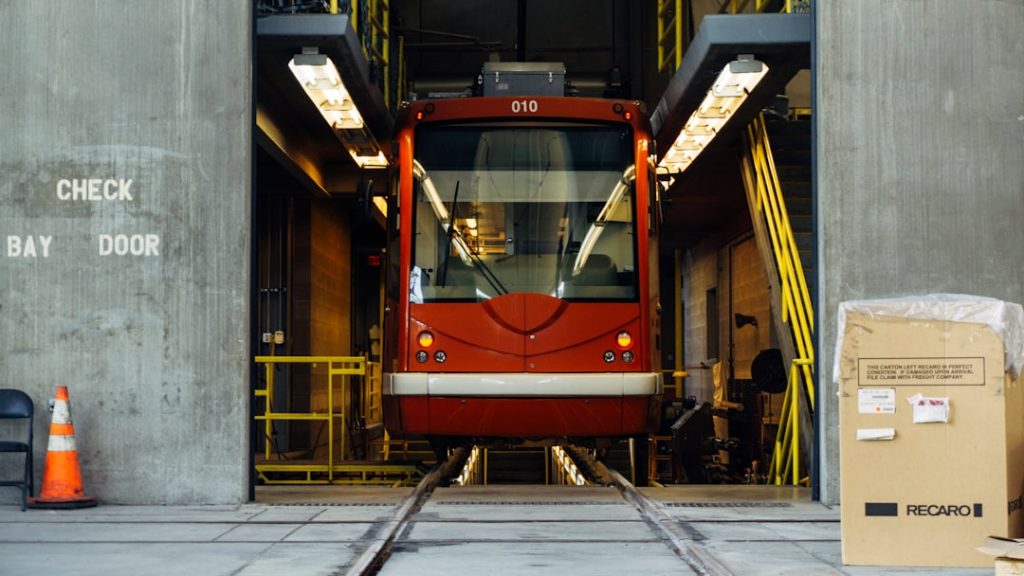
(522, 288)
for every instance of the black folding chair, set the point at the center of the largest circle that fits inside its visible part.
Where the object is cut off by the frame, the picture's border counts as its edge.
(15, 404)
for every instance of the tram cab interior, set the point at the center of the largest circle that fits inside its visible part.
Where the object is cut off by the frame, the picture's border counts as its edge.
(525, 217)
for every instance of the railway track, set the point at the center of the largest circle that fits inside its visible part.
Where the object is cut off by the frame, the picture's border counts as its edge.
(543, 528)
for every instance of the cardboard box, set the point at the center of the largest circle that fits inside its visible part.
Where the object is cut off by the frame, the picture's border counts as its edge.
(931, 433)
(1009, 555)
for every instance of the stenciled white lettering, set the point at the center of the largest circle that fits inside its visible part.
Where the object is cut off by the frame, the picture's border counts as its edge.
(95, 189)
(133, 244)
(18, 247)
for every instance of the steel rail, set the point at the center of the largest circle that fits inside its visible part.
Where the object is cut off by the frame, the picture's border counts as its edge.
(698, 558)
(373, 557)
(702, 561)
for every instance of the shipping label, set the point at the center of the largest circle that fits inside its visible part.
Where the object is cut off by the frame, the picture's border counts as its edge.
(876, 401)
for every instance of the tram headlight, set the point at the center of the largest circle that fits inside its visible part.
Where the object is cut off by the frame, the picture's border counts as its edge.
(627, 357)
(609, 356)
(624, 340)
(425, 339)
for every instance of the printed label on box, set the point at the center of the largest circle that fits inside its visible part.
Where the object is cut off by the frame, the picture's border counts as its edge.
(929, 409)
(920, 371)
(876, 400)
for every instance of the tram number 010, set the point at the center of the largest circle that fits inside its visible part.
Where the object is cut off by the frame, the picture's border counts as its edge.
(524, 106)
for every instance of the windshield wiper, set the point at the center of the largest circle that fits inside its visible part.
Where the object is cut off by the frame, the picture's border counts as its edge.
(442, 277)
(456, 238)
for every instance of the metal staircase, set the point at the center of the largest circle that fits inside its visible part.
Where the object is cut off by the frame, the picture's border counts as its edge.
(791, 149)
(785, 240)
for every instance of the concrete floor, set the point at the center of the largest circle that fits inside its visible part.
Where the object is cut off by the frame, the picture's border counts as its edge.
(752, 531)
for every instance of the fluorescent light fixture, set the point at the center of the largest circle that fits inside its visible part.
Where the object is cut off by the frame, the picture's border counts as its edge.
(378, 161)
(322, 83)
(736, 81)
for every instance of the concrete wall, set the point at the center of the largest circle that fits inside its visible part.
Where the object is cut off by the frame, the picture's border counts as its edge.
(151, 100)
(920, 160)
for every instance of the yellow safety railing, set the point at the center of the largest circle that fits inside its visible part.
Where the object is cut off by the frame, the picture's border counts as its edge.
(407, 449)
(471, 470)
(761, 6)
(339, 370)
(371, 19)
(566, 472)
(795, 299)
(373, 398)
(670, 34)
(400, 96)
(655, 457)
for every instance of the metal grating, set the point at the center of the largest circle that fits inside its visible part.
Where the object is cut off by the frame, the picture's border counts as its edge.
(327, 504)
(728, 504)
(529, 503)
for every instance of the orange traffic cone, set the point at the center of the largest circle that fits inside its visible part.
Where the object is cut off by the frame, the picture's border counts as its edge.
(62, 475)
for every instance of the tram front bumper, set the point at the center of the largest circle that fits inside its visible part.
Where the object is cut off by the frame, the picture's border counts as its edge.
(528, 385)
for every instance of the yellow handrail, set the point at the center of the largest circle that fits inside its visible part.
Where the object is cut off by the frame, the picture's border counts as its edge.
(358, 473)
(795, 299)
(670, 31)
(373, 412)
(336, 366)
(566, 472)
(373, 28)
(760, 6)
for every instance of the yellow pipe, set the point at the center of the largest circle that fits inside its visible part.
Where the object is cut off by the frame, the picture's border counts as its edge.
(788, 437)
(330, 427)
(780, 442)
(802, 282)
(794, 414)
(334, 6)
(794, 280)
(778, 227)
(679, 35)
(793, 271)
(795, 298)
(677, 303)
(805, 364)
(268, 425)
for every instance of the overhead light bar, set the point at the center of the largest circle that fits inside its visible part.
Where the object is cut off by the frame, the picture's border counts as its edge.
(322, 83)
(736, 81)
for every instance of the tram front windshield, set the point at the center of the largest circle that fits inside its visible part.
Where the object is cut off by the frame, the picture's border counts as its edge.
(503, 208)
